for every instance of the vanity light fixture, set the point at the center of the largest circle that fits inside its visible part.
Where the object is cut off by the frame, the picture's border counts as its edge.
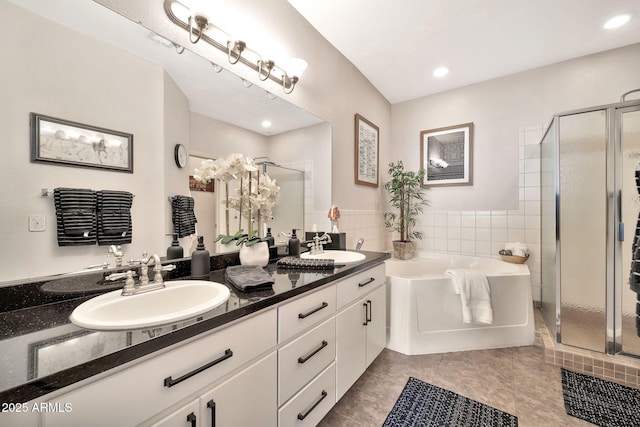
(617, 21)
(199, 28)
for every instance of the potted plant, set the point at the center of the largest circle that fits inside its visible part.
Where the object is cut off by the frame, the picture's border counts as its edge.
(254, 198)
(406, 197)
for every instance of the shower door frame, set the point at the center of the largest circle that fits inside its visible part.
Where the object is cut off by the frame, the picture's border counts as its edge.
(614, 228)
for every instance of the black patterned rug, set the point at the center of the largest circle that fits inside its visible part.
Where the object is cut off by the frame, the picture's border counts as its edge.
(600, 402)
(423, 404)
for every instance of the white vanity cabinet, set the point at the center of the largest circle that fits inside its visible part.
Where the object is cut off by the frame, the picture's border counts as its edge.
(137, 393)
(184, 416)
(306, 358)
(360, 325)
(246, 399)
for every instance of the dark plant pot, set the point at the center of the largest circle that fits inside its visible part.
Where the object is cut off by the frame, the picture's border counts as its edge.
(403, 249)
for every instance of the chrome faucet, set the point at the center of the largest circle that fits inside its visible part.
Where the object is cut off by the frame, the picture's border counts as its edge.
(117, 253)
(359, 243)
(316, 246)
(131, 288)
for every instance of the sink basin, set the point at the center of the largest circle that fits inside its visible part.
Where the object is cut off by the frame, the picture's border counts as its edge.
(339, 257)
(179, 300)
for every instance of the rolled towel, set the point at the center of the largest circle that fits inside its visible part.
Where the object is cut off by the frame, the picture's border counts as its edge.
(306, 264)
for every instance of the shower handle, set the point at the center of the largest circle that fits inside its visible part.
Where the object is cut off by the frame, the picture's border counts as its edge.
(620, 223)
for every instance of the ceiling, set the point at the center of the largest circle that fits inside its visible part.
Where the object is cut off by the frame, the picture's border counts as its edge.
(222, 96)
(398, 44)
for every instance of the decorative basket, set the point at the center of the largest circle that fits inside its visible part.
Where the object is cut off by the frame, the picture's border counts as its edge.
(514, 259)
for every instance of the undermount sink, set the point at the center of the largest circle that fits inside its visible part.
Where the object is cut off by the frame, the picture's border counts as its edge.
(178, 300)
(339, 257)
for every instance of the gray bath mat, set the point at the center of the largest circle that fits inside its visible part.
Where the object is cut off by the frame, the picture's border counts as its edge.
(600, 402)
(423, 404)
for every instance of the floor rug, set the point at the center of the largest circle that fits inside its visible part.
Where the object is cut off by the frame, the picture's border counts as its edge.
(600, 402)
(423, 404)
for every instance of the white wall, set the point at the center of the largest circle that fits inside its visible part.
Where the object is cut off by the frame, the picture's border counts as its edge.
(56, 72)
(499, 108)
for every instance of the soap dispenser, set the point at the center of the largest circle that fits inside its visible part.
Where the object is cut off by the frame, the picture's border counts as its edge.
(175, 250)
(269, 238)
(200, 261)
(294, 244)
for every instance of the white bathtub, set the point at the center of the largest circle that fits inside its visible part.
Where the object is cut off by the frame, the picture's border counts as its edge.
(425, 315)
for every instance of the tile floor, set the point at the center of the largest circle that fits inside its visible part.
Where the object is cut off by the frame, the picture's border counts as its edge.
(514, 380)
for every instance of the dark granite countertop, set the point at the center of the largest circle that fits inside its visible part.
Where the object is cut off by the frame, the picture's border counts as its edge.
(42, 351)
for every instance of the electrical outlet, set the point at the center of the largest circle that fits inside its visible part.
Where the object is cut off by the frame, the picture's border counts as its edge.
(37, 223)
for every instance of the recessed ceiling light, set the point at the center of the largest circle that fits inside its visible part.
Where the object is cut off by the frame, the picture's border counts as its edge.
(441, 72)
(266, 124)
(617, 21)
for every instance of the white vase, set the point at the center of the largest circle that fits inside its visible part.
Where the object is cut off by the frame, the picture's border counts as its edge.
(257, 254)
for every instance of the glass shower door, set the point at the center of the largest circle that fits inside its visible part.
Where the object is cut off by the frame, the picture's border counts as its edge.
(583, 204)
(628, 128)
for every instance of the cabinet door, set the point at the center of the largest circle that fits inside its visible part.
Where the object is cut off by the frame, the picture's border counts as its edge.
(350, 346)
(249, 398)
(377, 323)
(186, 416)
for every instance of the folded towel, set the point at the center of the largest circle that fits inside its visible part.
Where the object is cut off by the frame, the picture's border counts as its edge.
(475, 294)
(248, 277)
(183, 216)
(114, 217)
(307, 264)
(75, 216)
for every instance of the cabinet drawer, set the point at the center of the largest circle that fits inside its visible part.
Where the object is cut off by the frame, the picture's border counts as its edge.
(301, 314)
(304, 358)
(136, 393)
(312, 403)
(354, 287)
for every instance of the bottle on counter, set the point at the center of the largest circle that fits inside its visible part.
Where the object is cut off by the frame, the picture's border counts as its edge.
(294, 244)
(200, 261)
(269, 238)
(175, 250)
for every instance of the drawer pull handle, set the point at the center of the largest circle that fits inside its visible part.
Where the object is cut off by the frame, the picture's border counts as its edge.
(191, 418)
(212, 405)
(302, 416)
(313, 353)
(170, 382)
(366, 282)
(315, 310)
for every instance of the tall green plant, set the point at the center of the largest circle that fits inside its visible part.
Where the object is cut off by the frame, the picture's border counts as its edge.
(406, 196)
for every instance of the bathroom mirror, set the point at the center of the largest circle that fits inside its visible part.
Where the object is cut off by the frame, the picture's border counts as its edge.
(222, 111)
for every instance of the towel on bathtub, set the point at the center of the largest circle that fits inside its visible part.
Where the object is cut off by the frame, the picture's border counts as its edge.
(475, 294)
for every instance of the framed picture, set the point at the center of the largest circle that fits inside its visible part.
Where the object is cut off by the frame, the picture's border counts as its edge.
(68, 143)
(367, 138)
(446, 154)
(201, 186)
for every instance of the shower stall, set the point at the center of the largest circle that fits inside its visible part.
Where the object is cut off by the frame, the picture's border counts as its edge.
(590, 205)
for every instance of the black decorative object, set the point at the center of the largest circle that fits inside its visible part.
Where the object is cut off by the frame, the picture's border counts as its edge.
(600, 402)
(423, 404)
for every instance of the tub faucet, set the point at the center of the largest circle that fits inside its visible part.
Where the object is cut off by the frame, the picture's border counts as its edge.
(318, 241)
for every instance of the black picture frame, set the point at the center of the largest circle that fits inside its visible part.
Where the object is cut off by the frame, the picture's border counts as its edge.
(66, 143)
